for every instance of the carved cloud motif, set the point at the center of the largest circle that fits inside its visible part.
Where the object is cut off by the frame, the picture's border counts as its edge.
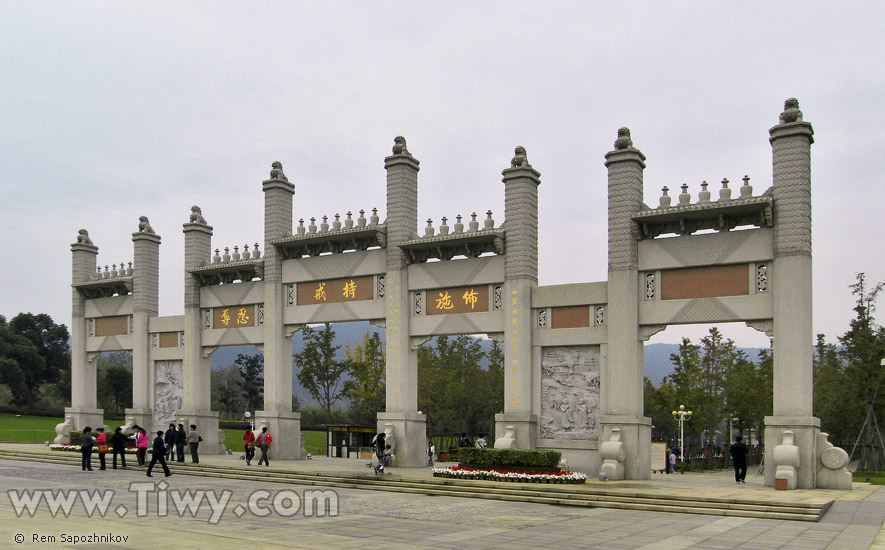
(570, 392)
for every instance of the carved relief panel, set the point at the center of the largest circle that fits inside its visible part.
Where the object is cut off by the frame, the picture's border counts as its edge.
(570, 392)
(168, 392)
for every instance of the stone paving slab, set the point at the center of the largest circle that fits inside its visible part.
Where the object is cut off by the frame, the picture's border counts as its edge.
(399, 520)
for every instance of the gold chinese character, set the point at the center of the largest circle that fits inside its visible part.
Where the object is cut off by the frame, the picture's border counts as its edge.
(320, 293)
(350, 289)
(242, 318)
(470, 297)
(444, 301)
(225, 317)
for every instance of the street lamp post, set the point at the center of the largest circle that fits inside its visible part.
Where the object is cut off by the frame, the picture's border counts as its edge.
(731, 424)
(682, 416)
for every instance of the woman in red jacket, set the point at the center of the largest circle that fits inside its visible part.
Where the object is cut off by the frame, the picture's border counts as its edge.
(249, 441)
(101, 442)
(141, 442)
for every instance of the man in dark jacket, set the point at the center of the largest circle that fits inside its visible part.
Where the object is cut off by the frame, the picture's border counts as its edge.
(159, 454)
(86, 443)
(118, 446)
(169, 438)
(180, 440)
(739, 458)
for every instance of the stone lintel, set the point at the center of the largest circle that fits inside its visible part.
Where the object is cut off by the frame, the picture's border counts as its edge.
(624, 419)
(198, 227)
(267, 185)
(625, 155)
(142, 236)
(520, 172)
(408, 160)
(792, 129)
(792, 421)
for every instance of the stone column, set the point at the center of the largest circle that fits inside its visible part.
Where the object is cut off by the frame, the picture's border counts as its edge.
(196, 367)
(84, 409)
(622, 370)
(520, 275)
(791, 294)
(145, 304)
(408, 425)
(283, 424)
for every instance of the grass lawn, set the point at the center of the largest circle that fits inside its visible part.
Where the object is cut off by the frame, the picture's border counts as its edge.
(37, 429)
(876, 478)
(314, 442)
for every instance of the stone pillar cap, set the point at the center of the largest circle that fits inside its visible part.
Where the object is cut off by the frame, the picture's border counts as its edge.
(144, 236)
(195, 226)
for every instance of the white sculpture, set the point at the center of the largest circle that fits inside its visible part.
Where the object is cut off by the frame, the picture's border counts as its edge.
(613, 453)
(390, 439)
(786, 461)
(832, 461)
(509, 439)
(221, 447)
(63, 430)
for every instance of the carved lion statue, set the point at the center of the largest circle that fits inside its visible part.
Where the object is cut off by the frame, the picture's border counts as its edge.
(399, 146)
(83, 237)
(144, 226)
(791, 111)
(519, 158)
(197, 215)
(623, 141)
(276, 172)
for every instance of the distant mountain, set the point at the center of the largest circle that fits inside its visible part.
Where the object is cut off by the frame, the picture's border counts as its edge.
(657, 356)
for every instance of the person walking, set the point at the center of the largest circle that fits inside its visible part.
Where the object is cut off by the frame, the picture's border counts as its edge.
(118, 446)
(672, 462)
(739, 457)
(159, 455)
(169, 439)
(86, 443)
(101, 444)
(264, 439)
(180, 440)
(193, 440)
(431, 451)
(141, 445)
(249, 442)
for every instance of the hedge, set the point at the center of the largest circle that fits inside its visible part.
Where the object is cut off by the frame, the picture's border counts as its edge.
(525, 458)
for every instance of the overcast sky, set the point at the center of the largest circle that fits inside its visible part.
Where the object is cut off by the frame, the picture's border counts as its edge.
(114, 110)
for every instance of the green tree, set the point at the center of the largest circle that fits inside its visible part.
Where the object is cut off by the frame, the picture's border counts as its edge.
(366, 389)
(320, 372)
(863, 348)
(251, 382)
(33, 352)
(114, 381)
(449, 375)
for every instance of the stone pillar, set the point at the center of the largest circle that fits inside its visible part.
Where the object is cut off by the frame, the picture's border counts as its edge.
(791, 294)
(145, 304)
(622, 367)
(402, 416)
(196, 367)
(520, 275)
(283, 424)
(84, 409)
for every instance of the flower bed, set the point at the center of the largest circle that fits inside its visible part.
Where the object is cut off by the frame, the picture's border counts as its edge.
(457, 472)
(76, 448)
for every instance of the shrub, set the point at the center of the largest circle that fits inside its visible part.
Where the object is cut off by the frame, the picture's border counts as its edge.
(522, 458)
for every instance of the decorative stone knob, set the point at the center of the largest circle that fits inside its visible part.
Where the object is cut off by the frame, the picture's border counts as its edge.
(348, 223)
(474, 225)
(725, 192)
(684, 197)
(704, 195)
(429, 230)
(665, 198)
(746, 188)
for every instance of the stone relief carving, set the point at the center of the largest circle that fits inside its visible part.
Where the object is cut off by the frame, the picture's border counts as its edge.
(649, 286)
(570, 392)
(761, 278)
(169, 392)
(600, 315)
(542, 318)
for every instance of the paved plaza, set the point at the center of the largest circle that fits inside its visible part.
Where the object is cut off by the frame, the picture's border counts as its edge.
(366, 518)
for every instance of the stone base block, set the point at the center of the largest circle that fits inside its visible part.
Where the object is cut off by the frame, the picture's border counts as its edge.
(525, 428)
(581, 455)
(94, 418)
(636, 436)
(143, 418)
(207, 425)
(410, 433)
(284, 428)
(805, 430)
